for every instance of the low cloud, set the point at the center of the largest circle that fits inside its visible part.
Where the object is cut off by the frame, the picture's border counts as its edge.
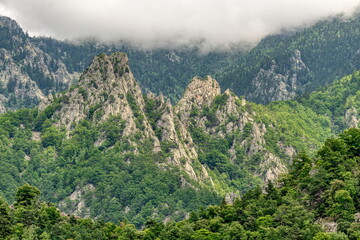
(216, 24)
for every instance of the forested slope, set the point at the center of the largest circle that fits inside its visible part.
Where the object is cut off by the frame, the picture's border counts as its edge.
(296, 62)
(104, 149)
(317, 199)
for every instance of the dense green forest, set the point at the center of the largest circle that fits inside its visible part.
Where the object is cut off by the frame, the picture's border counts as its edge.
(115, 182)
(319, 189)
(58, 166)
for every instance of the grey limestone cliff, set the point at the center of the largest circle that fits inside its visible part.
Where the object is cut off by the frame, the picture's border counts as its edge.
(228, 116)
(27, 73)
(273, 85)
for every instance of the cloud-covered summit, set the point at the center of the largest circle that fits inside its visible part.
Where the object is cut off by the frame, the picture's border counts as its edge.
(216, 24)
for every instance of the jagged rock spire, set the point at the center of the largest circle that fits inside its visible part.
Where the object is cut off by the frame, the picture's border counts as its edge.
(199, 93)
(105, 89)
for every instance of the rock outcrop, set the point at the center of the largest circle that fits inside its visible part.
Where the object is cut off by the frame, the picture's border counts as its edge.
(352, 118)
(21, 90)
(76, 201)
(27, 73)
(108, 88)
(226, 115)
(273, 85)
(199, 93)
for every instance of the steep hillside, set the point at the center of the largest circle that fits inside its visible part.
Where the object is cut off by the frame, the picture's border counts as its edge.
(105, 150)
(339, 101)
(33, 67)
(296, 62)
(318, 199)
(27, 73)
(280, 67)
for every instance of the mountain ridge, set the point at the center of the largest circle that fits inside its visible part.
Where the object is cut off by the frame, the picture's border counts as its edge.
(265, 73)
(131, 155)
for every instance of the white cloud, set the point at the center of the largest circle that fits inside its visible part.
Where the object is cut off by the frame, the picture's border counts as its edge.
(162, 23)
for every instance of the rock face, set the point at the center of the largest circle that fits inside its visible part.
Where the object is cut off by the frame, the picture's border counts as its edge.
(76, 201)
(20, 87)
(328, 225)
(272, 85)
(27, 73)
(174, 131)
(352, 118)
(227, 116)
(200, 93)
(108, 88)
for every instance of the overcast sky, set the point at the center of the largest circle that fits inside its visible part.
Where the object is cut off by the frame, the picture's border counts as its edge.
(163, 23)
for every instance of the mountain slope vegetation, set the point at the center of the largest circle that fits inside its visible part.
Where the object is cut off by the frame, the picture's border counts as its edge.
(102, 149)
(317, 193)
(296, 62)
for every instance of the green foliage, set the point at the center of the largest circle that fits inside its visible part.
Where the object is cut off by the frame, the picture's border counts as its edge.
(92, 110)
(153, 113)
(210, 113)
(220, 101)
(294, 125)
(112, 130)
(136, 111)
(5, 219)
(336, 100)
(328, 48)
(118, 185)
(331, 183)
(26, 195)
(330, 236)
(214, 152)
(52, 137)
(121, 187)
(126, 186)
(83, 92)
(342, 206)
(286, 212)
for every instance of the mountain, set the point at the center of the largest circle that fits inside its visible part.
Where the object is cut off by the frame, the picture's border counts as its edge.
(284, 65)
(317, 199)
(27, 73)
(33, 67)
(104, 149)
(339, 101)
(280, 67)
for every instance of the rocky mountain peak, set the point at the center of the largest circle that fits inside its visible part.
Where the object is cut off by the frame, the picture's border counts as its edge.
(202, 91)
(199, 93)
(296, 62)
(107, 88)
(107, 67)
(12, 35)
(26, 70)
(6, 22)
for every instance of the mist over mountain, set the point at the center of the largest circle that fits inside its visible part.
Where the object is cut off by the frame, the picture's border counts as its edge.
(281, 66)
(151, 113)
(212, 25)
